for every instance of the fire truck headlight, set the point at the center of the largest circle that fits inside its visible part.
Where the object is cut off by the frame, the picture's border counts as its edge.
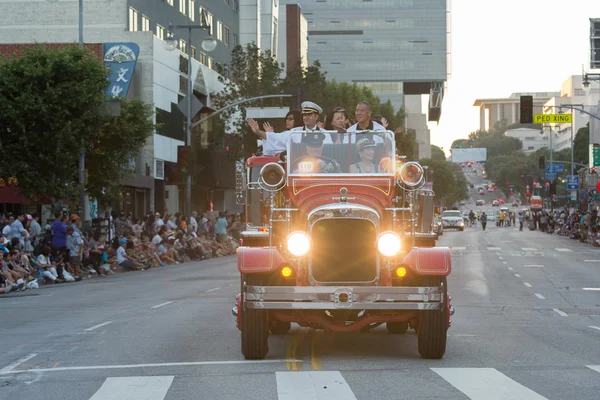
(298, 244)
(389, 244)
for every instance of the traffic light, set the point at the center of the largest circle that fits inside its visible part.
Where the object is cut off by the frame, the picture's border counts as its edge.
(526, 106)
(183, 159)
(507, 182)
(554, 198)
(547, 184)
(542, 162)
(553, 188)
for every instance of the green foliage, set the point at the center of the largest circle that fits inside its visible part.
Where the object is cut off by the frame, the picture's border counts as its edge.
(116, 144)
(581, 148)
(437, 153)
(49, 104)
(449, 182)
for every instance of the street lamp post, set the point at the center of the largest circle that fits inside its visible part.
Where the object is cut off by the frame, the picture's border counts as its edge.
(208, 44)
(82, 202)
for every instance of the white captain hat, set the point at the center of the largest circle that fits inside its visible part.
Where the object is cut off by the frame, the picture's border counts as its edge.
(309, 107)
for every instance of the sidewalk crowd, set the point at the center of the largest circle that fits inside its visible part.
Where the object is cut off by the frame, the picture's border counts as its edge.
(577, 225)
(64, 252)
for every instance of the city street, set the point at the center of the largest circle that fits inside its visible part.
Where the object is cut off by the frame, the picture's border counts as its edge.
(527, 326)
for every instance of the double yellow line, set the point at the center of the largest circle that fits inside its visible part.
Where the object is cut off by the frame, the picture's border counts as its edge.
(297, 342)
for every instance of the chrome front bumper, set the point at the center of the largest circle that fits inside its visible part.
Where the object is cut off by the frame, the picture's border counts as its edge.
(337, 297)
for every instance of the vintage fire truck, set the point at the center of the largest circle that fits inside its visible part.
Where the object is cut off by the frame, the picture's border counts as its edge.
(331, 244)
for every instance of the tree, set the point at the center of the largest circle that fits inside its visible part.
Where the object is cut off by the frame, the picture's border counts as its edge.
(449, 183)
(117, 143)
(581, 148)
(437, 153)
(50, 101)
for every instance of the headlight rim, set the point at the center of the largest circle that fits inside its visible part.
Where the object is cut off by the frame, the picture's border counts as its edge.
(397, 236)
(287, 243)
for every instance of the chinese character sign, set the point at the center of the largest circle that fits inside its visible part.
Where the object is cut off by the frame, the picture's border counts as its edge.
(120, 59)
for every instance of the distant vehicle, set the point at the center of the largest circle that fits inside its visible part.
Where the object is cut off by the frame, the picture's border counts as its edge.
(501, 201)
(481, 192)
(505, 209)
(462, 203)
(536, 203)
(452, 219)
(495, 203)
(480, 202)
(515, 204)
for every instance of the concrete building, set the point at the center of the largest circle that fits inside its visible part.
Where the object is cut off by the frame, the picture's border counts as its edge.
(159, 77)
(532, 139)
(417, 120)
(397, 48)
(293, 37)
(496, 110)
(259, 23)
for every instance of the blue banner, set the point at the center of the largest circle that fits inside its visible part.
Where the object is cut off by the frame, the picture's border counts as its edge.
(120, 59)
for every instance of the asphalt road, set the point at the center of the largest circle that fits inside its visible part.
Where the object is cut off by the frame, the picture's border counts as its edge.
(527, 326)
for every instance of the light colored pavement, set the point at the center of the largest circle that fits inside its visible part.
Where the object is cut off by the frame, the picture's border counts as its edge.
(169, 334)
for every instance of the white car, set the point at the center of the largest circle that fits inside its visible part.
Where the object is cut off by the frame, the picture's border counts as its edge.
(452, 219)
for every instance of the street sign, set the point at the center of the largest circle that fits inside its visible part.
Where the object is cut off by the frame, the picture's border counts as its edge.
(572, 182)
(594, 155)
(550, 175)
(555, 168)
(552, 118)
(196, 106)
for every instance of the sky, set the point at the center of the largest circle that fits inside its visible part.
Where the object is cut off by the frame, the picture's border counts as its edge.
(504, 46)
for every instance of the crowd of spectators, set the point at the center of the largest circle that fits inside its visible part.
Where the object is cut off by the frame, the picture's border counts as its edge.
(577, 225)
(64, 252)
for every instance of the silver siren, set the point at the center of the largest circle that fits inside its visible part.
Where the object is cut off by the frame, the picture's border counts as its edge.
(272, 177)
(411, 175)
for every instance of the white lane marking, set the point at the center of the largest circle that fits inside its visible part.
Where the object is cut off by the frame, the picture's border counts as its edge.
(591, 260)
(504, 262)
(562, 249)
(10, 367)
(486, 384)
(501, 258)
(312, 385)
(595, 327)
(127, 366)
(517, 275)
(212, 290)
(510, 268)
(134, 388)
(98, 326)
(561, 313)
(592, 288)
(527, 284)
(539, 296)
(161, 304)
(494, 248)
(594, 367)
(528, 248)
(497, 253)
(533, 266)
(459, 248)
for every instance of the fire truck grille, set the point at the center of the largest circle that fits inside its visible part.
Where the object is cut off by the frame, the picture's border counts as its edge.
(343, 250)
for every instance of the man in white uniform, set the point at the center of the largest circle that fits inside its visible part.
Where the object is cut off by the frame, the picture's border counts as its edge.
(365, 123)
(275, 143)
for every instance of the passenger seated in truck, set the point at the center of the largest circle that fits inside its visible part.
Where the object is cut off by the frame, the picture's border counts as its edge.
(365, 148)
(313, 161)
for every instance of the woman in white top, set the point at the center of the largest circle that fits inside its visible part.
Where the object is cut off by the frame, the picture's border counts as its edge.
(366, 151)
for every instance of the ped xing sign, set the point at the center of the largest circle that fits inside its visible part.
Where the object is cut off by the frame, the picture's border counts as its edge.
(120, 59)
(552, 118)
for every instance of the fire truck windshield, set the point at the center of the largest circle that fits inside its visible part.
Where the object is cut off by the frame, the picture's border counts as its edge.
(329, 152)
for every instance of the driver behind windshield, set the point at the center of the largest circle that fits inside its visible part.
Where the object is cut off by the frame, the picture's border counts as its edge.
(314, 161)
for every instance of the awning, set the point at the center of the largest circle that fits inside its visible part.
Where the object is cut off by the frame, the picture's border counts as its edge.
(12, 195)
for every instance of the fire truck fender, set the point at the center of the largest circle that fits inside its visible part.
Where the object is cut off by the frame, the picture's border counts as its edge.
(429, 261)
(258, 260)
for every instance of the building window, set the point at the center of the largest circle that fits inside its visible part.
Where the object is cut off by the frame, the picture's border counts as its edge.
(170, 2)
(225, 35)
(235, 40)
(182, 46)
(145, 23)
(219, 31)
(193, 52)
(236, 5)
(203, 58)
(192, 7)
(133, 20)
(211, 63)
(182, 6)
(227, 2)
(160, 32)
(209, 21)
(274, 44)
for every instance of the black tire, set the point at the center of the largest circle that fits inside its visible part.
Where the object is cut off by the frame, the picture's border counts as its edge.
(396, 327)
(433, 327)
(279, 327)
(461, 229)
(255, 331)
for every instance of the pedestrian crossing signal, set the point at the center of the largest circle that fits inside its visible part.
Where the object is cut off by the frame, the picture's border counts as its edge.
(526, 108)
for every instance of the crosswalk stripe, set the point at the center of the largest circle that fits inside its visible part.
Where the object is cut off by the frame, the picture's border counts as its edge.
(494, 248)
(134, 388)
(528, 248)
(562, 249)
(594, 367)
(486, 384)
(312, 385)
(459, 248)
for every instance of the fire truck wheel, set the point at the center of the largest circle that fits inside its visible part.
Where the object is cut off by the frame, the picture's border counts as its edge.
(279, 327)
(433, 324)
(255, 331)
(397, 327)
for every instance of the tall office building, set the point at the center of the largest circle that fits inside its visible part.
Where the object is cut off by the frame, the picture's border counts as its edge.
(397, 48)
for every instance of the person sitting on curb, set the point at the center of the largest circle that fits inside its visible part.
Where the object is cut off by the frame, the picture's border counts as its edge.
(124, 260)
